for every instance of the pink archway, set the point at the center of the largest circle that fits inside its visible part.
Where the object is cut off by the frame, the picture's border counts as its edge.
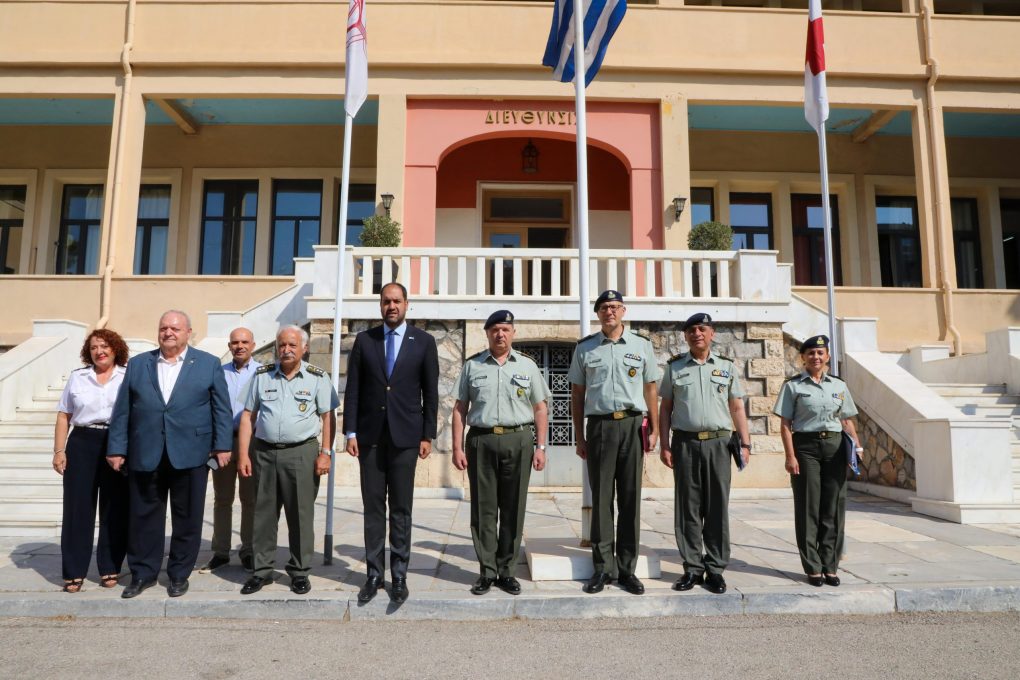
(627, 131)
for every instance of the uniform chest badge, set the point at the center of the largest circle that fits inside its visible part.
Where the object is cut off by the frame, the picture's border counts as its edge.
(520, 391)
(302, 407)
(635, 357)
(720, 374)
(721, 388)
(632, 372)
(838, 396)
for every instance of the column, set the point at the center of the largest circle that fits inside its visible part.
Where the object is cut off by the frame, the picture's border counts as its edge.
(123, 179)
(391, 153)
(676, 170)
(924, 180)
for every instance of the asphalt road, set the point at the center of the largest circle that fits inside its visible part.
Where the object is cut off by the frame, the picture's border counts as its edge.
(935, 646)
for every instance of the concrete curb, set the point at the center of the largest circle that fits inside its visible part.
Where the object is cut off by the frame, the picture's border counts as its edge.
(343, 606)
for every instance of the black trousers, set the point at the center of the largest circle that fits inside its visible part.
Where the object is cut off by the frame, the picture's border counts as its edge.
(148, 498)
(89, 478)
(387, 474)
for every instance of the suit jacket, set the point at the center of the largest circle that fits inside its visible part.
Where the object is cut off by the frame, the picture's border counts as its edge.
(407, 402)
(196, 421)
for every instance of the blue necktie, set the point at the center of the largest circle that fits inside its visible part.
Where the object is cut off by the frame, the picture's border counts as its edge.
(391, 352)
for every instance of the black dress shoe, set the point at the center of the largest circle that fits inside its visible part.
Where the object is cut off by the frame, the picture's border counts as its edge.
(177, 587)
(715, 583)
(482, 585)
(254, 584)
(372, 586)
(631, 584)
(597, 582)
(215, 562)
(399, 591)
(248, 562)
(300, 585)
(831, 579)
(135, 588)
(509, 585)
(688, 581)
(816, 581)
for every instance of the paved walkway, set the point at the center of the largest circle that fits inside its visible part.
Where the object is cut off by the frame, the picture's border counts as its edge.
(896, 561)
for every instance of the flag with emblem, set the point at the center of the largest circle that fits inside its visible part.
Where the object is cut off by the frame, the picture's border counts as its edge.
(356, 63)
(816, 96)
(601, 19)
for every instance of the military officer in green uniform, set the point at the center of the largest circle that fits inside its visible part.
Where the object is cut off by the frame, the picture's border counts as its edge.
(816, 407)
(613, 377)
(703, 401)
(501, 395)
(289, 404)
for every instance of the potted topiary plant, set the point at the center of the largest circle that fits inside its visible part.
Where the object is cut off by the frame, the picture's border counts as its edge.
(709, 236)
(380, 231)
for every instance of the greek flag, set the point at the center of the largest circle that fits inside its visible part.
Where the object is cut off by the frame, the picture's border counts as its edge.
(601, 18)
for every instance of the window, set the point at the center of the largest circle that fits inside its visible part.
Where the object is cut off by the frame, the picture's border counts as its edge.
(78, 240)
(360, 204)
(153, 229)
(228, 227)
(751, 219)
(809, 240)
(297, 213)
(702, 205)
(899, 242)
(967, 243)
(12, 224)
(1010, 209)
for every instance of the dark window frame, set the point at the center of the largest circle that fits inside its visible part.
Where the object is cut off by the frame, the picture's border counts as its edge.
(767, 231)
(1011, 264)
(816, 238)
(232, 223)
(361, 192)
(83, 224)
(148, 224)
(6, 225)
(892, 239)
(973, 236)
(711, 203)
(295, 220)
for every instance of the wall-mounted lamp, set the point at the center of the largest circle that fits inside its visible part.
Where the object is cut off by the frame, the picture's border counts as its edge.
(387, 202)
(679, 203)
(529, 158)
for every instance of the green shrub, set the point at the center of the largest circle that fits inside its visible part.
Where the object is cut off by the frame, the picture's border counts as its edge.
(710, 236)
(381, 231)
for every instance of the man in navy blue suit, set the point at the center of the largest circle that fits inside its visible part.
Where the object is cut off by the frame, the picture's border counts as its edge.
(390, 407)
(171, 418)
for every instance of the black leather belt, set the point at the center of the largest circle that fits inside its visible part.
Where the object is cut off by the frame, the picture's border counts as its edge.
(702, 436)
(816, 435)
(617, 415)
(499, 429)
(272, 445)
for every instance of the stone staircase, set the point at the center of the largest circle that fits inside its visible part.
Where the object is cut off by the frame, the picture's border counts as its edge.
(988, 401)
(31, 493)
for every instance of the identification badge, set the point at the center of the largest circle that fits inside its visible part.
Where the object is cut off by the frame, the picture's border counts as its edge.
(302, 407)
(632, 372)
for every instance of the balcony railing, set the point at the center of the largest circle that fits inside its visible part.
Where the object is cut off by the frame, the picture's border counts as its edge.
(478, 278)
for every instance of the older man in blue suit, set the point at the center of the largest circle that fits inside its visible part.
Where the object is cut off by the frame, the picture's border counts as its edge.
(171, 418)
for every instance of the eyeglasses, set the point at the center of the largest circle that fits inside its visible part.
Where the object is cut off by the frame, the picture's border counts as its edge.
(615, 309)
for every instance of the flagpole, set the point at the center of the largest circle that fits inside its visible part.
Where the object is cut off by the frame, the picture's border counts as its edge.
(341, 255)
(830, 280)
(584, 316)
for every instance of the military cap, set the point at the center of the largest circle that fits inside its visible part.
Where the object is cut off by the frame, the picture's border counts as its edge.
(608, 296)
(815, 341)
(499, 316)
(699, 319)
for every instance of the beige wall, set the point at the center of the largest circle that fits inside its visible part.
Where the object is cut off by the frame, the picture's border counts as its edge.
(53, 297)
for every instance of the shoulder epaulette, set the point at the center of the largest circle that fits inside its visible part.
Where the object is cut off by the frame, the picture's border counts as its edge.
(833, 375)
(588, 337)
(676, 357)
(264, 368)
(642, 335)
(724, 358)
(315, 370)
(476, 355)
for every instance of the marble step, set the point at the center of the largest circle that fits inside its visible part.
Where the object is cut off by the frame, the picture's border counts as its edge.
(13, 427)
(38, 509)
(31, 472)
(26, 458)
(36, 414)
(991, 410)
(33, 490)
(982, 399)
(953, 389)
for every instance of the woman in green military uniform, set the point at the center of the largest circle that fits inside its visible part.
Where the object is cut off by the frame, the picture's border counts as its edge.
(815, 408)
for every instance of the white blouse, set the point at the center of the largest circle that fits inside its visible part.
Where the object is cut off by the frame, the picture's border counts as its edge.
(86, 400)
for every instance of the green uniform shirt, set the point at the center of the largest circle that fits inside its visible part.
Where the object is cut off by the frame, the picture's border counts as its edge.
(289, 411)
(500, 395)
(701, 393)
(815, 407)
(613, 373)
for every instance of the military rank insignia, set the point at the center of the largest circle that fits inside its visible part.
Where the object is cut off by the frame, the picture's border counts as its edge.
(632, 372)
(302, 407)
(720, 374)
(520, 391)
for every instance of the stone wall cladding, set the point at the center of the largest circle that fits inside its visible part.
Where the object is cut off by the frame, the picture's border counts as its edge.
(884, 461)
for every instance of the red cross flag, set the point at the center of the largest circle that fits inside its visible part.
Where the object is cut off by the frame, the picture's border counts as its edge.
(816, 98)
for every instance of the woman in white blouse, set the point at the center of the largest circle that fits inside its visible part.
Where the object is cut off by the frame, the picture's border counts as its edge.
(85, 408)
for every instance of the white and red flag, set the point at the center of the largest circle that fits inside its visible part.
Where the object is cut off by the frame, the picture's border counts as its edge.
(816, 97)
(356, 66)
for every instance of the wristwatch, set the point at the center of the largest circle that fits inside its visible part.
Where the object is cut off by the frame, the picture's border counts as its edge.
(541, 447)
(746, 446)
(326, 452)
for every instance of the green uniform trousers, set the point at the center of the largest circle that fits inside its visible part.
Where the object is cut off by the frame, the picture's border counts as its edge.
(285, 478)
(819, 501)
(615, 464)
(225, 481)
(701, 500)
(499, 469)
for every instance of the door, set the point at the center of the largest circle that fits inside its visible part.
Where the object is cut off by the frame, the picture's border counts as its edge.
(526, 218)
(563, 467)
